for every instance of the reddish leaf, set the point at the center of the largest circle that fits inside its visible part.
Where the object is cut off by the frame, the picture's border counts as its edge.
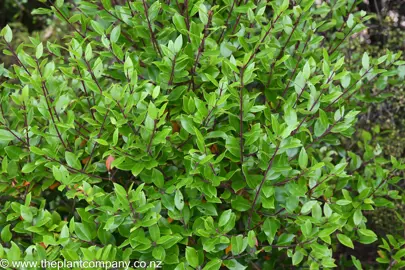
(85, 160)
(54, 185)
(108, 162)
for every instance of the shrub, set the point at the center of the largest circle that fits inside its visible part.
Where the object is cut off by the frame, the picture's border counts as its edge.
(198, 134)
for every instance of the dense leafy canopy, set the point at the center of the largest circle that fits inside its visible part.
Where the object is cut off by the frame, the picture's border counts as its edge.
(198, 133)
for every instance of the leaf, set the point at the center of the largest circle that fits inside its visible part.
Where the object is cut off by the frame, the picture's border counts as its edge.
(156, 92)
(29, 167)
(224, 218)
(7, 33)
(14, 253)
(284, 5)
(179, 200)
(357, 217)
(214, 264)
(26, 213)
(303, 159)
(159, 253)
(62, 103)
(270, 227)
(192, 257)
(59, 3)
(203, 14)
(187, 124)
(72, 160)
(306, 71)
(345, 80)
(297, 257)
(158, 178)
(343, 202)
(356, 263)
(290, 116)
(345, 240)
(101, 141)
(365, 61)
(306, 228)
(368, 233)
(6, 136)
(252, 240)
(97, 27)
(88, 53)
(320, 127)
(200, 140)
(39, 50)
(121, 194)
(325, 68)
(327, 210)
(307, 207)
(115, 34)
(237, 244)
(178, 43)
(240, 204)
(108, 162)
(179, 22)
(83, 232)
(6, 234)
(49, 70)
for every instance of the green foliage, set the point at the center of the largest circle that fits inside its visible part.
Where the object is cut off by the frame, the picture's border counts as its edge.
(199, 134)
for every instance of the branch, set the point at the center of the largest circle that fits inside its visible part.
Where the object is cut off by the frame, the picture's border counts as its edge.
(151, 137)
(282, 51)
(200, 50)
(68, 22)
(92, 76)
(262, 40)
(172, 72)
(45, 92)
(95, 144)
(261, 185)
(241, 144)
(152, 34)
(26, 128)
(226, 22)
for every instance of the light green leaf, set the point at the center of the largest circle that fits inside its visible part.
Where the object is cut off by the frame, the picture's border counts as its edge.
(26, 213)
(357, 217)
(192, 257)
(39, 50)
(365, 61)
(88, 52)
(307, 207)
(179, 22)
(179, 200)
(115, 34)
(178, 43)
(240, 204)
(345, 240)
(72, 160)
(7, 33)
(83, 231)
(214, 264)
(224, 218)
(303, 159)
(6, 234)
(297, 257)
(6, 136)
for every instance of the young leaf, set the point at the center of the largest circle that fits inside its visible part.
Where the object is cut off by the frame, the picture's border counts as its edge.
(365, 61)
(7, 33)
(303, 158)
(115, 34)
